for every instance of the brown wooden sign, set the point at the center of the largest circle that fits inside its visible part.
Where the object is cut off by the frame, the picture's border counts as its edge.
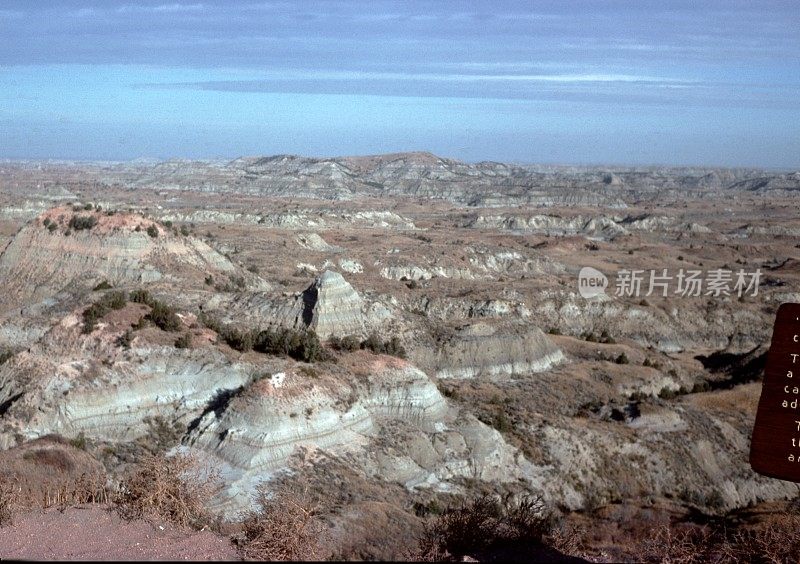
(775, 446)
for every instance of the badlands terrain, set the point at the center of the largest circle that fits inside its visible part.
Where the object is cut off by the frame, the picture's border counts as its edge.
(396, 332)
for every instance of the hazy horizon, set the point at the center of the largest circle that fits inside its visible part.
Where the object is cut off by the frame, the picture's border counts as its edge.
(228, 159)
(588, 83)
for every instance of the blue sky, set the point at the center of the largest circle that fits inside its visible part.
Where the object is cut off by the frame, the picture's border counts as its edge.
(698, 83)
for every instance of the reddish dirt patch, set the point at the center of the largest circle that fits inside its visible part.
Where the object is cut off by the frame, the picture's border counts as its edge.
(121, 319)
(97, 533)
(105, 223)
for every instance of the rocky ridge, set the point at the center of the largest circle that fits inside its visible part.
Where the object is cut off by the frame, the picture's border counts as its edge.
(423, 175)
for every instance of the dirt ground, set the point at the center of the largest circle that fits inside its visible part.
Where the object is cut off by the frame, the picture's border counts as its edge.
(98, 533)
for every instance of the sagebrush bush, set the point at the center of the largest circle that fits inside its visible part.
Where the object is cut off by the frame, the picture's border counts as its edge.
(110, 301)
(283, 526)
(668, 544)
(391, 347)
(141, 297)
(482, 523)
(81, 222)
(6, 355)
(211, 322)
(240, 340)
(299, 345)
(8, 500)
(163, 316)
(776, 539)
(167, 488)
(349, 343)
(184, 341)
(126, 339)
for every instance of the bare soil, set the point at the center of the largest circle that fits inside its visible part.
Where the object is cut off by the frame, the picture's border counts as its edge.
(93, 532)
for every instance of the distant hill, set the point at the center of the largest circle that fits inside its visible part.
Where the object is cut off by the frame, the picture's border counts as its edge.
(417, 175)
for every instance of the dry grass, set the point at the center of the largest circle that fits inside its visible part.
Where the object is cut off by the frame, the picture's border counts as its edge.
(677, 546)
(18, 494)
(484, 523)
(742, 398)
(49, 472)
(567, 539)
(172, 489)
(375, 531)
(773, 541)
(8, 502)
(284, 525)
(369, 519)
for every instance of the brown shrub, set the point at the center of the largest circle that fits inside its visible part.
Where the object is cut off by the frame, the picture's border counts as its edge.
(284, 526)
(485, 522)
(8, 501)
(775, 541)
(375, 531)
(677, 546)
(18, 494)
(171, 488)
(50, 472)
(778, 540)
(88, 488)
(567, 539)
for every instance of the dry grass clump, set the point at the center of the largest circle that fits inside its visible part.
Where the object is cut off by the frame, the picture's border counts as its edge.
(20, 493)
(776, 541)
(88, 488)
(50, 472)
(566, 539)
(484, 523)
(741, 399)
(8, 502)
(773, 541)
(671, 545)
(171, 488)
(284, 525)
(375, 531)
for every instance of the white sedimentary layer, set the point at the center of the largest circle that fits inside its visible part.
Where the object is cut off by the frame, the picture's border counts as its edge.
(481, 350)
(600, 227)
(336, 306)
(418, 273)
(313, 242)
(249, 424)
(263, 428)
(351, 266)
(111, 403)
(260, 431)
(303, 219)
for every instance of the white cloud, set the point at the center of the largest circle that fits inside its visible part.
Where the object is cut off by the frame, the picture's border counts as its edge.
(161, 8)
(458, 77)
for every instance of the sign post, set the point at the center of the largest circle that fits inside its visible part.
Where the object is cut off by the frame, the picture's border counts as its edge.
(775, 446)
